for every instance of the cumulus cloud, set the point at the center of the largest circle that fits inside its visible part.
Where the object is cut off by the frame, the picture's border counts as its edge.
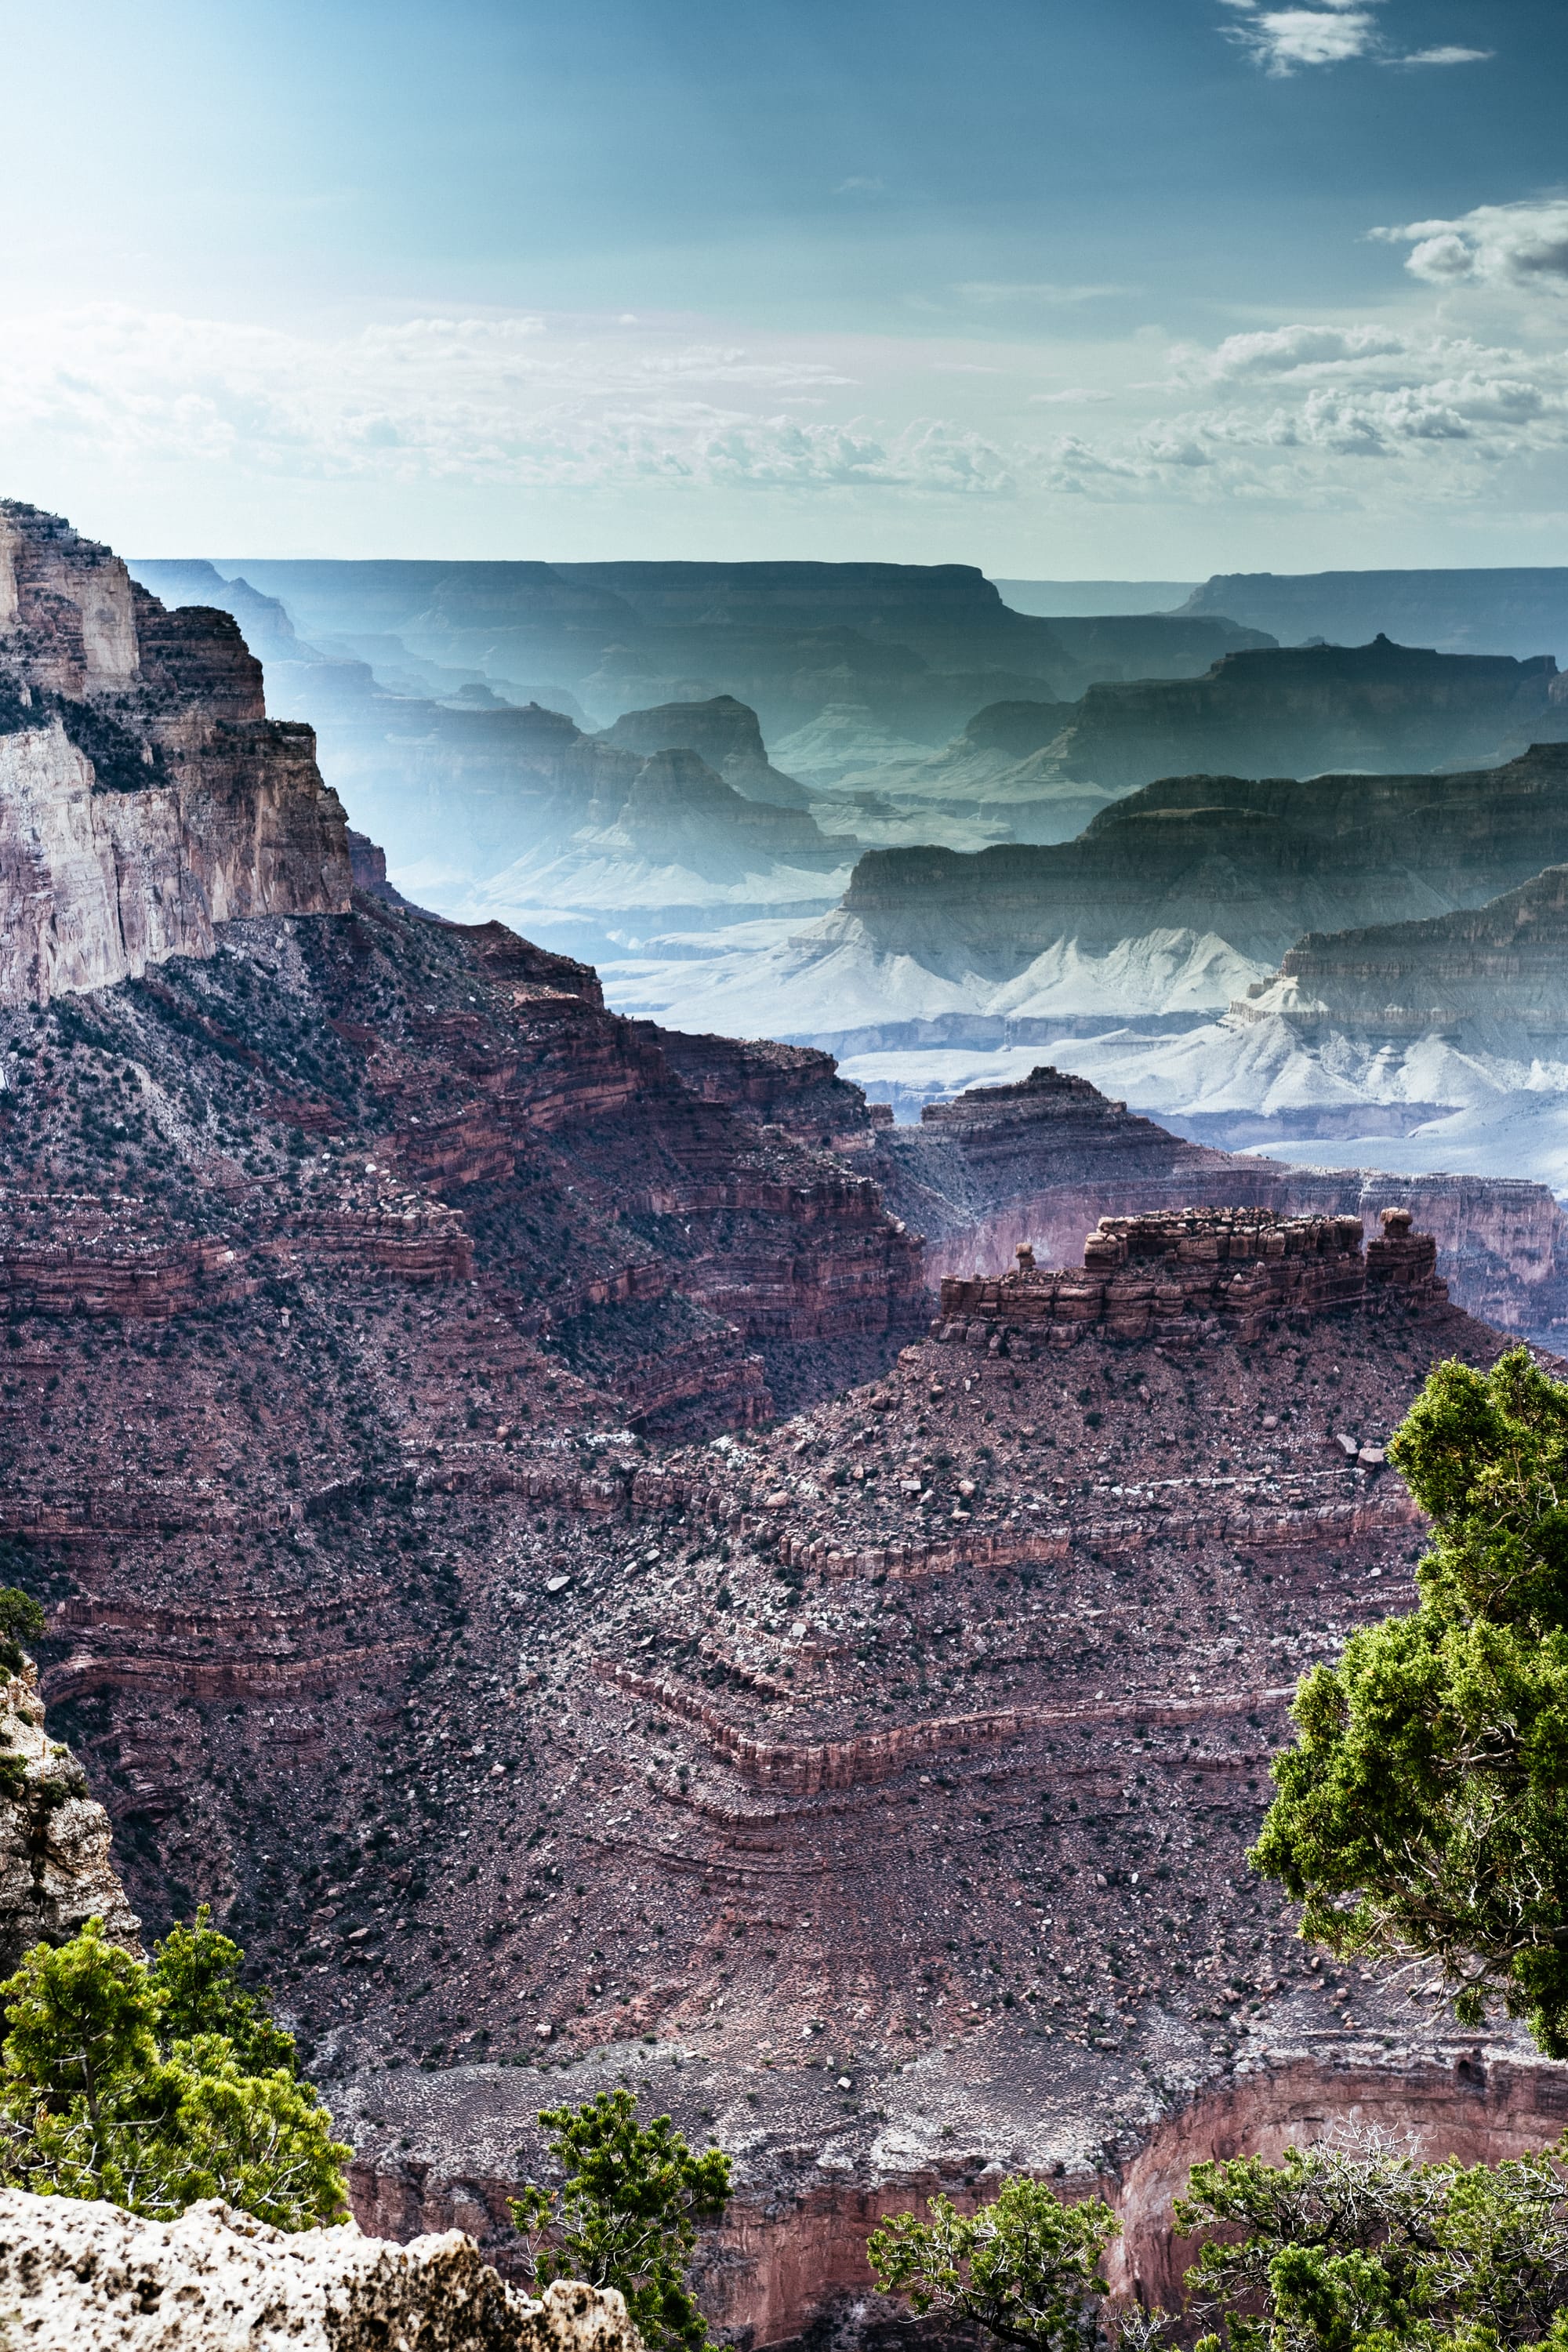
(1521, 244)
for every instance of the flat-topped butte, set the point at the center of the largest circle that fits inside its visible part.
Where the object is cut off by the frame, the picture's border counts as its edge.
(1176, 1273)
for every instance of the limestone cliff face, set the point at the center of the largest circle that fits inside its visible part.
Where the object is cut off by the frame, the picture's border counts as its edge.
(145, 799)
(56, 1871)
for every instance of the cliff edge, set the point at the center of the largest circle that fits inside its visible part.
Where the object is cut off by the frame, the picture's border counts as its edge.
(145, 798)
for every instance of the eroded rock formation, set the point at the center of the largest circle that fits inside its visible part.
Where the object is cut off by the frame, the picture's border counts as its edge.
(725, 734)
(1176, 1273)
(74, 2272)
(394, 1339)
(144, 797)
(56, 1871)
(1042, 1157)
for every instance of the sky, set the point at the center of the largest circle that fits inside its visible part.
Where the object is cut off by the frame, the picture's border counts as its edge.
(1061, 288)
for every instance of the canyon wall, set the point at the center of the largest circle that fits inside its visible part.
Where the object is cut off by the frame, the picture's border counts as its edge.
(1307, 710)
(1253, 864)
(1492, 975)
(396, 1348)
(1521, 610)
(144, 797)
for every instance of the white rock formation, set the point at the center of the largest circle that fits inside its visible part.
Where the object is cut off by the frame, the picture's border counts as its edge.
(75, 2276)
(145, 798)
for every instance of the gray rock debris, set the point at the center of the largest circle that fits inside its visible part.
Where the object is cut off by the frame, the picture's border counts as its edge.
(75, 2274)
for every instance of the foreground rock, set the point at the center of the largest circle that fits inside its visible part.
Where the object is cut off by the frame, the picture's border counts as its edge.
(74, 2274)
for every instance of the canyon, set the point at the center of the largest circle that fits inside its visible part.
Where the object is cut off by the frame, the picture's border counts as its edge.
(526, 1535)
(1172, 903)
(915, 646)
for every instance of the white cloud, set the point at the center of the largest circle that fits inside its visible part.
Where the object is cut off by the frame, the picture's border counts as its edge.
(1288, 350)
(1285, 39)
(1077, 396)
(1521, 244)
(1329, 32)
(989, 289)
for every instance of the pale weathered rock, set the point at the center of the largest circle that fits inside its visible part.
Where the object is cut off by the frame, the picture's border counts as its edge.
(144, 795)
(55, 1866)
(75, 2274)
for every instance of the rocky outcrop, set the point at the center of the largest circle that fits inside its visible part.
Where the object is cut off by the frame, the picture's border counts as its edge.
(1177, 1272)
(723, 732)
(56, 1871)
(74, 2273)
(145, 800)
(1038, 1161)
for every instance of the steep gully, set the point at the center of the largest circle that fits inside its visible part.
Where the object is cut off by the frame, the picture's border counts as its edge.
(393, 1342)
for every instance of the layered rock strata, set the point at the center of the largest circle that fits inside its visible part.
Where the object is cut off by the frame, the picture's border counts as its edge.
(725, 735)
(1489, 976)
(1303, 711)
(395, 1338)
(145, 799)
(74, 2272)
(1482, 609)
(1168, 1274)
(1042, 1157)
(378, 1623)
(1252, 865)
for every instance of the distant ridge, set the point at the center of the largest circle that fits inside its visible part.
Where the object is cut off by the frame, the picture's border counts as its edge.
(1519, 610)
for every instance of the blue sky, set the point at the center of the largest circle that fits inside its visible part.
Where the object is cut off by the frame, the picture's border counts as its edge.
(1060, 287)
